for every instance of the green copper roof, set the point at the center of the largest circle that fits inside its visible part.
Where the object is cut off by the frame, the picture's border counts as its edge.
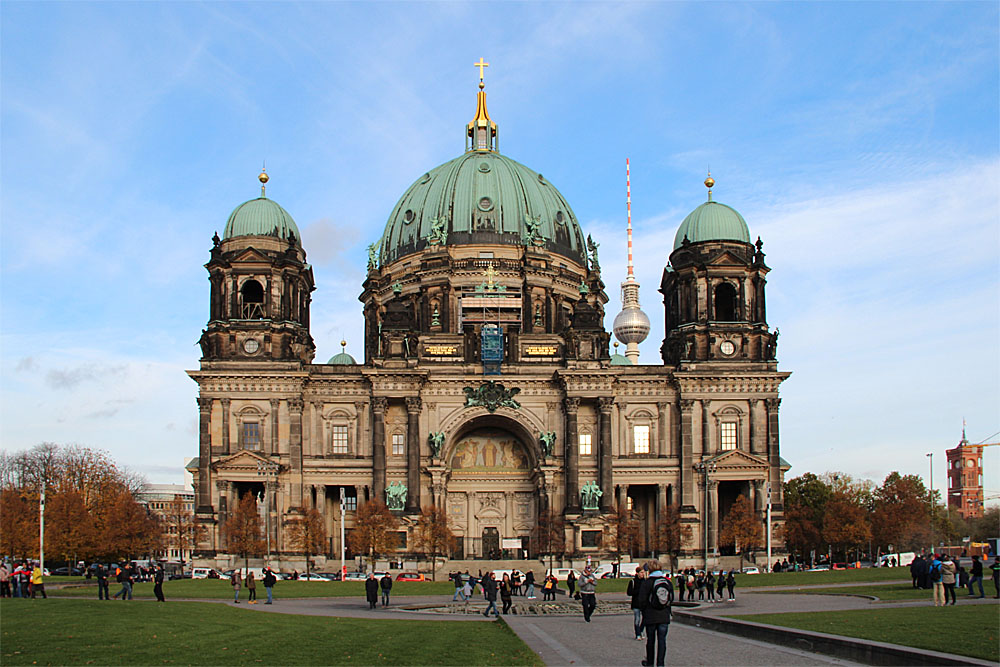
(260, 217)
(620, 360)
(342, 359)
(482, 197)
(712, 221)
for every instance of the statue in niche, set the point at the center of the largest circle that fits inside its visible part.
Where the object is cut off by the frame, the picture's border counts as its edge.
(439, 231)
(395, 496)
(548, 442)
(436, 441)
(590, 496)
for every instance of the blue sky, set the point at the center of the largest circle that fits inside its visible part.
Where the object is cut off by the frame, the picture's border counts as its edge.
(861, 141)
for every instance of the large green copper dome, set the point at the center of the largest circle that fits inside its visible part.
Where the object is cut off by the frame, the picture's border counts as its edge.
(261, 217)
(712, 221)
(482, 197)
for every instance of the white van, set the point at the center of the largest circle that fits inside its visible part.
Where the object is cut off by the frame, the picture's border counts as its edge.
(898, 560)
(205, 573)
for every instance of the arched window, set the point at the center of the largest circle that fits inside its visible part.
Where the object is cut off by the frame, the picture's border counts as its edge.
(726, 307)
(252, 297)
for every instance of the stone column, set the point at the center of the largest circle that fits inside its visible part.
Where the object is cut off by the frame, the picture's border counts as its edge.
(317, 445)
(227, 447)
(662, 431)
(272, 446)
(356, 447)
(758, 428)
(204, 453)
(272, 508)
(622, 496)
(413, 405)
(295, 448)
(604, 453)
(759, 496)
(222, 490)
(713, 514)
(773, 455)
(572, 405)
(378, 447)
(661, 498)
(690, 413)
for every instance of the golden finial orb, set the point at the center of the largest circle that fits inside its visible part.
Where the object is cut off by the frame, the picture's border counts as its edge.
(343, 343)
(263, 177)
(709, 182)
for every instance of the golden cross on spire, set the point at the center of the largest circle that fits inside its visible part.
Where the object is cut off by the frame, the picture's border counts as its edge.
(480, 65)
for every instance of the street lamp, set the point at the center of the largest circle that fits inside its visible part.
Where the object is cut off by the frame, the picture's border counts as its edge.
(343, 546)
(269, 471)
(706, 469)
(930, 456)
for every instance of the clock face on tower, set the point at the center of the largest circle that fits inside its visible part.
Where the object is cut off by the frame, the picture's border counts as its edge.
(250, 345)
(727, 347)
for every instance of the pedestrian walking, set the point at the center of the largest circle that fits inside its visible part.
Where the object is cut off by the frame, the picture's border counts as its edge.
(656, 595)
(386, 585)
(490, 592)
(456, 579)
(995, 568)
(710, 586)
(4, 580)
(549, 587)
(236, 583)
(529, 583)
(633, 591)
(269, 581)
(251, 589)
(158, 583)
(934, 574)
(571, 584)
(506, 590)
(37, 585)
(102, 582)
(976, 576)
(731, 585)
(515, 583)
(588, 592)
(948, 578)
(371, 590)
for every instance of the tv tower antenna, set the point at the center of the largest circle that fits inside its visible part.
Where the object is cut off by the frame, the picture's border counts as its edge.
(631, 325)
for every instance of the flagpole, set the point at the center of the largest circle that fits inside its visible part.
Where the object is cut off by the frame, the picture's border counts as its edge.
(768, 526)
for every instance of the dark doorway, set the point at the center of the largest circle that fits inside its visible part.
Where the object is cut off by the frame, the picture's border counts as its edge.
(728, 493)
(491, 543)
(726, 306)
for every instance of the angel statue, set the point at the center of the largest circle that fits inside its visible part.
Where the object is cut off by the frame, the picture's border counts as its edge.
(436, 441)
(592, 246)
(395, 496)
(439, 231)
(372, 256)
(548, 441)
(533, 235)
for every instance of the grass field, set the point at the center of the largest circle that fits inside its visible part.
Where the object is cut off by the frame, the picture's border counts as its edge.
(886, 592)
(79, 632)
(219, 589)
(971, 630)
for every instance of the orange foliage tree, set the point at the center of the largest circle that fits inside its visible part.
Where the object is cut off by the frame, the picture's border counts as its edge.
(670, 535)
(433, 536)
(741, 528)
(242, 530)
(308, 534)
(374, 531)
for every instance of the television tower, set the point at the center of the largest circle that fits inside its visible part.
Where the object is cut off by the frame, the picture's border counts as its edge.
(631, 325)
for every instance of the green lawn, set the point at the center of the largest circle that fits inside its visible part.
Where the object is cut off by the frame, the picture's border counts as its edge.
(887, 592)
(793, 578)
(219, 589)
(972, 630)
(78, 632)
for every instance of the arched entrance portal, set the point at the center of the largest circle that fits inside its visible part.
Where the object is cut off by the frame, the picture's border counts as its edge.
(492, 491)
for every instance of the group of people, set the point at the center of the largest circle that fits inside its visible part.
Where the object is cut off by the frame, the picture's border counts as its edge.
(237, 582)
(21, 580)
(512, 584)
(373, 586)
(706, 584)
(942, 573)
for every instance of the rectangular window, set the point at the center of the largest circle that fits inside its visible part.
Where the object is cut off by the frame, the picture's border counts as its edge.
(351, 500)
(398, 444)
(628, 503)
(250, 435)
(640, 439)
(401, 540)
(585, 444)
(339, 445)
(590, 538)
(728, 435)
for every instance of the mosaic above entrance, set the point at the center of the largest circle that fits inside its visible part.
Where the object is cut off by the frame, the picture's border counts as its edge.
(490, 450)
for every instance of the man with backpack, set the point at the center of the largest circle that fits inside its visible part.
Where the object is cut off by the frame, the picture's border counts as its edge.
(269, 581)
(656, 594)
(934, 574)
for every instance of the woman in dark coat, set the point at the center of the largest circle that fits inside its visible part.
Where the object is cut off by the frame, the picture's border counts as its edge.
(571, 582)
(506, 588)
(371, 590)
(731, 584)
(721, 585)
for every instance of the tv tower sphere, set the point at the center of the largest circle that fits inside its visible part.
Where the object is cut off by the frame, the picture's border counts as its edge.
(631, 325)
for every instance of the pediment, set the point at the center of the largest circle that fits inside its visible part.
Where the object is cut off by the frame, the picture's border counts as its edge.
(241, 461)
(250, 255)
(739, 460)
(727, 258)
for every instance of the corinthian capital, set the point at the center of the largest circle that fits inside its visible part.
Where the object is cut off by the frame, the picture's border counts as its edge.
(413, 404)
(571, 405)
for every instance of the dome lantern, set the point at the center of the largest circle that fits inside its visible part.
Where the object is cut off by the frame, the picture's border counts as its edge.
(481, 132)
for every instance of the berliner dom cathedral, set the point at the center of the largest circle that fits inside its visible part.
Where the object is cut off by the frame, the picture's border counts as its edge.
(487, 384)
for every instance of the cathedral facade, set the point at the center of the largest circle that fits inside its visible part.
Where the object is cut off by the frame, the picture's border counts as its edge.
(487, 386)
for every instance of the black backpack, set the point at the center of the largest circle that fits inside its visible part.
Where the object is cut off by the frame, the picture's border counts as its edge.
(661, 595)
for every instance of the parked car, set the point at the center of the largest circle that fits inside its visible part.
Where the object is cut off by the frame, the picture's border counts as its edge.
(606, 571)
(839, 566)
(205, 573)
(355, 576)
(313, 576)
(410, 576)
(819, 568)
(179, 575)
(751, 569)
(67, 572)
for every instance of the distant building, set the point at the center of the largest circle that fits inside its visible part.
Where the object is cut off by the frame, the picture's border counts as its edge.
(965, 479)
(173, 505)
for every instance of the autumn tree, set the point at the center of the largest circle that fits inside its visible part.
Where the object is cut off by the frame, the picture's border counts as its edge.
(375, 529)
(670, 534)
(740, 528)
(901, 515)
(307, 534)
(18, 524)
(548, 537)
(845, 523)
(805, 505)
(69, 528)
(624, 531)
(433, 535)
(242, 530)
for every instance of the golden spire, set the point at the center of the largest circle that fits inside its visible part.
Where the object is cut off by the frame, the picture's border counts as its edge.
(343, 345)
(482, 131)
(263, 179)
(709, 182)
